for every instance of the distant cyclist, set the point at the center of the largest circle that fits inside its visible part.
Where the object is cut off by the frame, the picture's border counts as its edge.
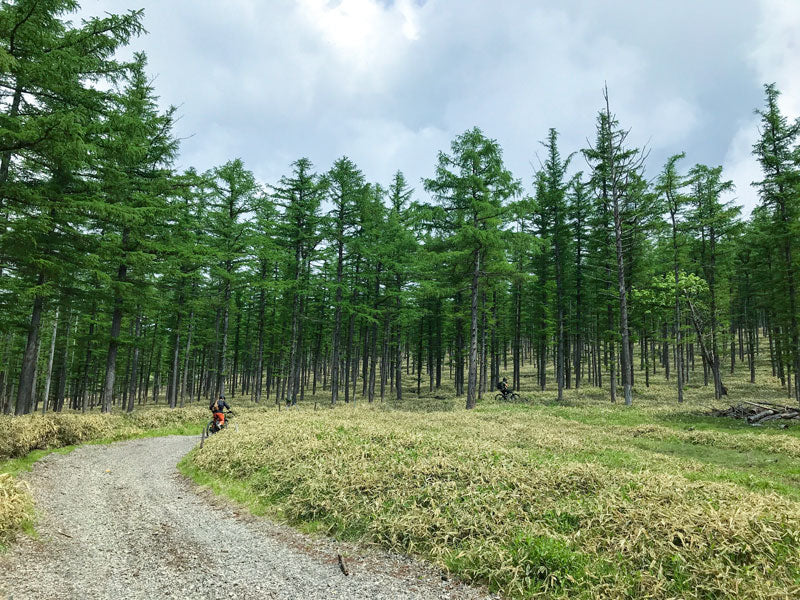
(503, 388)
(217, 407)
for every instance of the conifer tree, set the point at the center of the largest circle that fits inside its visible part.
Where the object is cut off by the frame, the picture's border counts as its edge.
(669, 186)
(551, 197)
(50, 112)
(779, 154)
(472, 184)
(614, 165)
(714, 221)
(346, 185)
(579, 207)
(233, 193)
(300, 196)
(135, 170)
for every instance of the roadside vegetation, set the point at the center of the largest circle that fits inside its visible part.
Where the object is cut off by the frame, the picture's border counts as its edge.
(21, 435)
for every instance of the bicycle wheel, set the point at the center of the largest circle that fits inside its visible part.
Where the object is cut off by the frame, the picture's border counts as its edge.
(206, 433)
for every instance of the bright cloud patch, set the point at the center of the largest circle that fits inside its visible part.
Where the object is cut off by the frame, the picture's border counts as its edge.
(391, 82)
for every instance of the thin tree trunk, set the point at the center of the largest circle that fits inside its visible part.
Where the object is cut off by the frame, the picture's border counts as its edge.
(186, 357)
(25, 391)
(46, 397)
(134, 363)
(473, 332)
(113, 344)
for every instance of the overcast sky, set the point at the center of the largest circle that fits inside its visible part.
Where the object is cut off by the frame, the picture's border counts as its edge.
(390, 83)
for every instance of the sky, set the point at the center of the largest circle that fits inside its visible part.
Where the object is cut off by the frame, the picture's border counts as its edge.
(390, 83)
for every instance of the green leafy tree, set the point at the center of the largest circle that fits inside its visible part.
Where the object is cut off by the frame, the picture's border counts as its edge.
(714, 222)
(346, 187)
(614, 165)
(232, 196)
(779, 155)
(51, 112)
(135, 177)
(669, 187)
(472, 185)
(300, 196)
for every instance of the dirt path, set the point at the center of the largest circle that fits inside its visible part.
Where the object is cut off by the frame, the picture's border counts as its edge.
(120, 522)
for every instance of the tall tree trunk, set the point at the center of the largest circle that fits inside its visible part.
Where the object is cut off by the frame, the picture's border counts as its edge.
(398, 346)
(46, 397)
(560, 324)
(134, 363)
(116, 324)
(515, 348)
(175, 362)
(219, 388)
(678, 341)
(260, 359)
(473, 331)
(63, 369)
(27, 384)
(294, 345)
(337, 323)
(625, 361)
(236, 344)
(482, 359)
(186, 357)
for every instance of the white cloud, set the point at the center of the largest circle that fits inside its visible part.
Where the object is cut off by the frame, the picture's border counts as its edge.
(776, 55)
(741, 166)
(775, 58)
(390, 83)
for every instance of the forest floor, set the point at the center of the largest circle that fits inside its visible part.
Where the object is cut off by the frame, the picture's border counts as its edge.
(118, 521)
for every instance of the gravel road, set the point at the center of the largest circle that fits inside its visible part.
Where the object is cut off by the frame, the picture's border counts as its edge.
(119, 521)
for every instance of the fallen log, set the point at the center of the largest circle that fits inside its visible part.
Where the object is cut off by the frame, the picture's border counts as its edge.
(761, 415)
(757, 413)
(768, 418)
(771, 406)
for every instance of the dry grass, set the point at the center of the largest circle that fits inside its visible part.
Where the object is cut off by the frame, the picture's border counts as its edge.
(16, 508)
(531, 499)
(21, 435)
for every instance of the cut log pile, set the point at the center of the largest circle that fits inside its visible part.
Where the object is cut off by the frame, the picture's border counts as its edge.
(758, 413)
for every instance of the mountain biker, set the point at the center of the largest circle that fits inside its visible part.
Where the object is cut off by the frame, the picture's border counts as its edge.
(217, 407)
(502, 386)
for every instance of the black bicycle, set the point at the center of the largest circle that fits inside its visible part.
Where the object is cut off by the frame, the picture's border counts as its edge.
(508, 396)
(213, 427)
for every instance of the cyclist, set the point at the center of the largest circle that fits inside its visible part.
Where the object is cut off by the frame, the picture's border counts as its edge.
(502, 386)
(217, 407)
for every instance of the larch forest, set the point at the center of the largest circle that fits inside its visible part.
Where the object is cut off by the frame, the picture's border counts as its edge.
(126, 282)
(646, 444)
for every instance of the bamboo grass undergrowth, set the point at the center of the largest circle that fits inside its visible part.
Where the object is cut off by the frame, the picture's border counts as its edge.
(531, 499)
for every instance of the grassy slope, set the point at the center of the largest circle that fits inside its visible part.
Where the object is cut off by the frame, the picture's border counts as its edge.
(583, 500)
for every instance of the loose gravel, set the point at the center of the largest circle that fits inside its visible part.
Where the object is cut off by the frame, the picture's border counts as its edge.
(120, 522)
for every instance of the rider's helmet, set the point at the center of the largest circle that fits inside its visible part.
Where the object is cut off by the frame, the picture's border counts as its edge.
(504, 379)
(222, 396)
